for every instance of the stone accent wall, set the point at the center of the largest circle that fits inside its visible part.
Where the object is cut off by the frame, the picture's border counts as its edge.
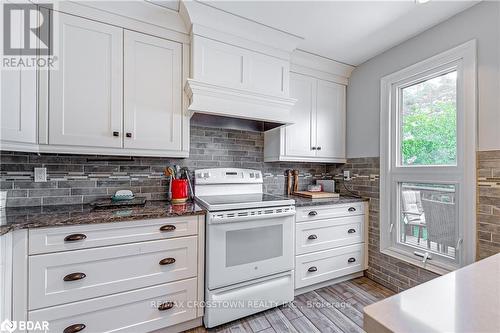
(488, 207)
(399, 275)
(75, 179)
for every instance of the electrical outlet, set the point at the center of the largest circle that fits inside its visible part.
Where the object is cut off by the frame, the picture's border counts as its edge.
(40, 175)
(347, 175)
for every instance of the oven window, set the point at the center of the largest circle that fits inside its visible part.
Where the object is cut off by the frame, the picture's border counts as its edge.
(253, 245)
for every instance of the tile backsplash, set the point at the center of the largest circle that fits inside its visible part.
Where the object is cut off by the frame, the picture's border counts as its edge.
(75, 179)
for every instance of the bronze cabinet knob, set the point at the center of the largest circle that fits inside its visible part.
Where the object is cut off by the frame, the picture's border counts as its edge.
(352, 209)
(351, 231)
(167, 227)
(115, 133)
(128, 135)
(75, 237)
(74, 276)
(167, 261)
(74, 328)
(313, 213)
(312, 237)
(312, 269)
(166, 306)
(351, 260)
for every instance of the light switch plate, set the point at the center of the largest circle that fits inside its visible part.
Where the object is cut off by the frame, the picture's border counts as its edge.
(40, 175)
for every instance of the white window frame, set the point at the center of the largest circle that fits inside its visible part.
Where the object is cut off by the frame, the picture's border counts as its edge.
(463, 175)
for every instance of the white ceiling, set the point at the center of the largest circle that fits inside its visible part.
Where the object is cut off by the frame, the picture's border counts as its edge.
(347, 31)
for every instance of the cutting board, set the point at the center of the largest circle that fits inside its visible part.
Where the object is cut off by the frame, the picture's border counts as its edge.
(316, 195)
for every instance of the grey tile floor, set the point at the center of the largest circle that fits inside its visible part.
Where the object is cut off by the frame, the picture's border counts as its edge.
(336, 308)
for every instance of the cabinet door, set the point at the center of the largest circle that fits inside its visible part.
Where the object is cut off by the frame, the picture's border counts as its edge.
(298, 137)
(85, 104)
(18, 101)
(153, 92)
(330, 120)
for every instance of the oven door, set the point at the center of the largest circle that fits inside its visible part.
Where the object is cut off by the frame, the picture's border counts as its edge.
(247, 244)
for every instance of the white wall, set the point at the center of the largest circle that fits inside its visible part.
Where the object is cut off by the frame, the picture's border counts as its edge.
(482, 22)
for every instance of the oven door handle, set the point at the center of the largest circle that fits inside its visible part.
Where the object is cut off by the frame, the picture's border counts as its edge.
(233, 217)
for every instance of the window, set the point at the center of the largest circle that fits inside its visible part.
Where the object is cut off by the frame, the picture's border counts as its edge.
(427, 161)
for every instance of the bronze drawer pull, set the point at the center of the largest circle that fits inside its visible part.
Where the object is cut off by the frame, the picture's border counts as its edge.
(313, 213)
(167, 227)
(74, 328)
(167, 261)
(351, 260)
(352, 209)
(75, 237)
(166, 306)
(74, 277)
(351, 231)
(312, 237)
(312, 269)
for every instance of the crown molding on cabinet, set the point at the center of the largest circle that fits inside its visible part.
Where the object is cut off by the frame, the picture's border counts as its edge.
(140, 16)
(211, 99)
(306, 63)
(203, 19)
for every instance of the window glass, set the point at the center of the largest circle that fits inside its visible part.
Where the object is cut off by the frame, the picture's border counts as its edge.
(428, 116)
(428, 219)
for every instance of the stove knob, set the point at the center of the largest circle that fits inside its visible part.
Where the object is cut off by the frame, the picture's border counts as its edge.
(252, 175)
(206, 175)
(257, 175)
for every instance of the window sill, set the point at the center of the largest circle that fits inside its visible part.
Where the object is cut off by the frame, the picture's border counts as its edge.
(439, 268)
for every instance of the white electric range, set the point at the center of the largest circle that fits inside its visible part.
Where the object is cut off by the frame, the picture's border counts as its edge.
(249, 244)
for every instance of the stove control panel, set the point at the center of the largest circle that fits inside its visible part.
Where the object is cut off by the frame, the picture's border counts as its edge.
(227, 176)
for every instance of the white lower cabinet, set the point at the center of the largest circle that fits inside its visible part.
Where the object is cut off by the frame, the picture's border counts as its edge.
(115, 283)
(326, 265)
(140, 310)
(71, 276)
(330, 244)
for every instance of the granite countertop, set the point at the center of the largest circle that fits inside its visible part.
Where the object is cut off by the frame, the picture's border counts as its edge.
(50, 216)
(304, 202)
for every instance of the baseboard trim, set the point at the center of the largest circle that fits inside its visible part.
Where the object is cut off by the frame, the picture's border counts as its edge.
(187, 325)
(327, 283)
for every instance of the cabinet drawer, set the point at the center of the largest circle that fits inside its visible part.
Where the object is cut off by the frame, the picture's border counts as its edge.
(312, 213)
(327, 234)
(47, 240)
(109, 270)
(325, 265)
(133, 311)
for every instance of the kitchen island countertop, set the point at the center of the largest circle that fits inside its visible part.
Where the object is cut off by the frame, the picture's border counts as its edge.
(466, 300)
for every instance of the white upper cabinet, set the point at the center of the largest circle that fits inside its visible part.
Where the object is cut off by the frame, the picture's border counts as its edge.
(330, 119)
(152, 93)
(299, 136)
(18, 102)
(318, 131)
(85, 103)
